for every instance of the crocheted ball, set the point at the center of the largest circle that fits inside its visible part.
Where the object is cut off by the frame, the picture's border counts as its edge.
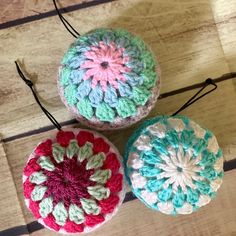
(173, 165)
(108, 79)
(74, 183)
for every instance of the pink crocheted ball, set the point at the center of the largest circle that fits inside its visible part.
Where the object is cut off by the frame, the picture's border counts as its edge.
(74, 183)
(109, 79)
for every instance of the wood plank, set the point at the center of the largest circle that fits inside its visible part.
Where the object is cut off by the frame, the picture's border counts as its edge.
(11, 213)
(225, 18)
(218, 218)
(205, 112)
(13, 10)
(182, 34)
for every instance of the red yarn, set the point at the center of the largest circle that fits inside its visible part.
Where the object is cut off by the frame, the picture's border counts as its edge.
(34, 207)
(69, 182)
(115, 183)
(111, 163)
(64, 137)
(99, 145)
(83, 137)
(50, 222)
(28, 188)
(72, 227)
(44, 148)
(108, 205)
(31, 167)
(92, 220)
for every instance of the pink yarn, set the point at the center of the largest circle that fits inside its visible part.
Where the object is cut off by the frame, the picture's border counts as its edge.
(106, 64)
(31, 167)
(115, 183)
(71, 227)
(112, 163)
(28, 188)
(34, 207)
(50, 222)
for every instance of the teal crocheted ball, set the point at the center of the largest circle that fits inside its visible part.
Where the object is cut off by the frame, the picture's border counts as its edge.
(173, 165)
(109, 79)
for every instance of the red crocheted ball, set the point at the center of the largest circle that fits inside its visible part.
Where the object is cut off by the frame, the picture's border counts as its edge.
(74, 182)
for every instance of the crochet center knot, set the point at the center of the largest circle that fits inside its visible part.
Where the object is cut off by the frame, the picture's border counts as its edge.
(104, 64)
(69, 183)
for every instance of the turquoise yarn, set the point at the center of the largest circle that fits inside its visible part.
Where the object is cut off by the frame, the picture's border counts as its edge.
(109, 72)
(173, 165)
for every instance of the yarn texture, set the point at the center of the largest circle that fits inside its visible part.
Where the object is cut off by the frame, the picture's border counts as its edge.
(173, 165)
(74, 183)
(107, 77)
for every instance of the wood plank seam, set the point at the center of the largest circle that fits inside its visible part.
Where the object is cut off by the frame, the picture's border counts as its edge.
(12, 180)
(51, 13)
(162, 96)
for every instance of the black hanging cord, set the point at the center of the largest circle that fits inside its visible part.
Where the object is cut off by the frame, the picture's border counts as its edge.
(67, 25)
(30, 84)
(193, 99)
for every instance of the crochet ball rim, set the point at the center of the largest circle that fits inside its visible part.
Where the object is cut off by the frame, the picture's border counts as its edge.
(132, 86)
(88, 167)
(173, 165)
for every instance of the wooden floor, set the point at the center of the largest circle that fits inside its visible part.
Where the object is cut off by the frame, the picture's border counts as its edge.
(192, 39)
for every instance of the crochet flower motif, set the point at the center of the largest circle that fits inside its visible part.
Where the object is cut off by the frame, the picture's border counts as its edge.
(179, 170)
(105, 64)
(173, 165)
(74, 184)
(107, 75)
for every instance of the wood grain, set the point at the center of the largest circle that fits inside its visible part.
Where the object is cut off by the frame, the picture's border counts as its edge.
(13, 10)
(11, 213)
(225, 18)
(182, 34)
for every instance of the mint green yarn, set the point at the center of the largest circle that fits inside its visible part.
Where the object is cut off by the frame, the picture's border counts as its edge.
(90, 206)
(150, 78)
(95, 161)
(85, 108)
(105, 113)
(85, 152)
(60, 213)
(37, 177)
(46, 207)
(126, 108)
(141, 95)
(70, 94)
(98, 192)
(38, 192)
(65, 76)
(148, 60)
(58, 152)
(72, 149)
(76, 214)
(46, 163)
(101, 176)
